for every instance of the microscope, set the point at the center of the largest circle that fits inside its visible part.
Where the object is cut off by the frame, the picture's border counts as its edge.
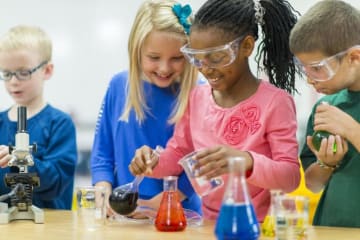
(21, 183)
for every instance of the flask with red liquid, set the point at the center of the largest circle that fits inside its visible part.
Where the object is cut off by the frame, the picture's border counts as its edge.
(170, 216)
(237, 219)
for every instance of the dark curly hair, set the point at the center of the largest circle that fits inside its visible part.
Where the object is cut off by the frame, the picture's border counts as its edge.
(237, 17)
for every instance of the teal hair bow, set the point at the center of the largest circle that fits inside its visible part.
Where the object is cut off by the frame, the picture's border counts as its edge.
(183, 13)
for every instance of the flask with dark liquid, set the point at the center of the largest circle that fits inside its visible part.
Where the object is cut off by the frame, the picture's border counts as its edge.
(170, 216)
(318, 136)
(237, 219)
(123, 198)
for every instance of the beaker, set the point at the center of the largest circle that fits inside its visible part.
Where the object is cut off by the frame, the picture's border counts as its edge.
(292, 217)
(170, 216)
(237, 218)
(201, 185)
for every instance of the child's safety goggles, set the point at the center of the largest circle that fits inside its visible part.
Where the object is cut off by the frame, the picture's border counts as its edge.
(325, 69)
(214, 57)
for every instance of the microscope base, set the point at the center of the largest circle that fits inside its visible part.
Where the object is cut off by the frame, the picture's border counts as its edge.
(9, 214)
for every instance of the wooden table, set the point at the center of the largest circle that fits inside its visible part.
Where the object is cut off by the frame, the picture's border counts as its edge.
(63, 225)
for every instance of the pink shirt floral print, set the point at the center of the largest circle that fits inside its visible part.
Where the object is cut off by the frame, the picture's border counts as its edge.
(264, 125)
(247, 123)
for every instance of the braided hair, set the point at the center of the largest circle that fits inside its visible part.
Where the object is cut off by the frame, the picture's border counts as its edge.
(237, 17)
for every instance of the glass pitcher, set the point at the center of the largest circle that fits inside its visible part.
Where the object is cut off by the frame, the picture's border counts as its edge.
(237, 219)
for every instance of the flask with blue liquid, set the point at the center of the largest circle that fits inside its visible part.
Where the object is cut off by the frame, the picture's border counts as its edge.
(237, 218)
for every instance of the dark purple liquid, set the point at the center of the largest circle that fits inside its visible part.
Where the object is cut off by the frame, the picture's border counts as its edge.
(123, 202)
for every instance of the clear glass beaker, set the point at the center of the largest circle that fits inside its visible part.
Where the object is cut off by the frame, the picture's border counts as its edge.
(292, 217)
(237, 219)
(170, 216)
(201, 185)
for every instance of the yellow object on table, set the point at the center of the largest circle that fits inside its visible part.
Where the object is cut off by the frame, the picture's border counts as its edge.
(302, 190)
(268, 226)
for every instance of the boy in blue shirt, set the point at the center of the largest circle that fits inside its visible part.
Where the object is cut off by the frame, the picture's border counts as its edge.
(25, 65)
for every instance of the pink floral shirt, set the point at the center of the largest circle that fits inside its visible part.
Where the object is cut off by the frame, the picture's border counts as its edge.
(264, 125)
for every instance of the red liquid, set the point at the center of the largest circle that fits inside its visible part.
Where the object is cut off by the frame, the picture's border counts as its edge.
(170, 217)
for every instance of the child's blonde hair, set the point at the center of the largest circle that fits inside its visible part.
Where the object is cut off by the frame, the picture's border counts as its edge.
(155, 15)
(27, 37)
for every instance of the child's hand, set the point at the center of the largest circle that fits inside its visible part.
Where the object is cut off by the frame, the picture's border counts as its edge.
(108, 189)
(153, 203)
(326, 153)
(149, 208)
(333, 120)
(213, 162)
(4, 156)
(143, 162)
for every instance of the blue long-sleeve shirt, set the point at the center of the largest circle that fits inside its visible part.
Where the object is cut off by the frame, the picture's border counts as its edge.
(116, 141)
(55, 159)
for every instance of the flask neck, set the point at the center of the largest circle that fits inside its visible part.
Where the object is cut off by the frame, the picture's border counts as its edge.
(170, 183)
(236, 190)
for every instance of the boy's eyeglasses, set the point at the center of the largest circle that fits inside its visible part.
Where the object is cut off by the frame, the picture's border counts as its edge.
(21, 75)
(214, 57)
(325, 69)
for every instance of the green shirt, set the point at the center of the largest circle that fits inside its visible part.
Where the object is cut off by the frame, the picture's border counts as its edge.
(339, 204)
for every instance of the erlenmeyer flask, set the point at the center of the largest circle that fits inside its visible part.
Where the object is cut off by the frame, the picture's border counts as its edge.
(170, 216)
(237, 219)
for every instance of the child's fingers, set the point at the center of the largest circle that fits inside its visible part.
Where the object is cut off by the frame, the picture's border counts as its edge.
(153, 158)
(148, 162)
(137, 215)
(342, 145)
(4, 161)
(345, 145)
(4, 151)
(310, 144)
(331, 145)
(137, 166)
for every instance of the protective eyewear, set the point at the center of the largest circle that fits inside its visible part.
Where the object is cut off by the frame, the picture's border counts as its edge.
(215, 57)
(325, 69)
(21, 75)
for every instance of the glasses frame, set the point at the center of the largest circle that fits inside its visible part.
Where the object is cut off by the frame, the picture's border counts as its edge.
(17, 73)
(232, 46)
(324, 63)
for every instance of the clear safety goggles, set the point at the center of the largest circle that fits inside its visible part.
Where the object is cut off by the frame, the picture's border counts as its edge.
(325, 69)
(214, 57)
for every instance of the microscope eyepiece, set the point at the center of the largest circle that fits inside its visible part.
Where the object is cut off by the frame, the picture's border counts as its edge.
(21, 123)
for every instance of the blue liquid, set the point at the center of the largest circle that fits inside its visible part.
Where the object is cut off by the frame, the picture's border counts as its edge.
(237, 222)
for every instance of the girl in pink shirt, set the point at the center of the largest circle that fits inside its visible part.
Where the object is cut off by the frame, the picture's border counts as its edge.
(237, 114)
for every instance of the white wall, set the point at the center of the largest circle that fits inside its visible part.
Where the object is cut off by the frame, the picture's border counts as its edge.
(90, 45)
